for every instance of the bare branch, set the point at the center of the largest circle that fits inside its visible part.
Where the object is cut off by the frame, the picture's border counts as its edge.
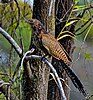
(16, 70)
(50, 8)
(3, 89)
(3, 83)
(20, 63)
(11, 41)
(6, 3)
(28, 52)
(63, 97)
(18, 13)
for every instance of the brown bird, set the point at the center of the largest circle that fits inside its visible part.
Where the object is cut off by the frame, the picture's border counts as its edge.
(54, 48)
(49, 42)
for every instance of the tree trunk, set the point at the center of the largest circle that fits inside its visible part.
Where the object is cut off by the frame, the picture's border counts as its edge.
(36, 87)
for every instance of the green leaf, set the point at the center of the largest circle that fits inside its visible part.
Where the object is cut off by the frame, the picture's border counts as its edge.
(87, 56)
(91, 59)
(71, 22)
(76, 1)
(66, 32)
(66, 35)
(79, 8)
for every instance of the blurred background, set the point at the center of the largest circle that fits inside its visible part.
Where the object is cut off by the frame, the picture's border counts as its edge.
(82, 56)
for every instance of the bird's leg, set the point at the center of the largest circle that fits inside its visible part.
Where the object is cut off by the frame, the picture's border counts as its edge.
(43, 57)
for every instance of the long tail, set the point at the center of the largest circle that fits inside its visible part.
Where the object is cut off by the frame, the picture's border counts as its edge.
(76, 81)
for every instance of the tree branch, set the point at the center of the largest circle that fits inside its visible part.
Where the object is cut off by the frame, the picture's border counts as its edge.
(11, 41)
(18, 13)
(19, 51)
(3, 89)
(63, 97)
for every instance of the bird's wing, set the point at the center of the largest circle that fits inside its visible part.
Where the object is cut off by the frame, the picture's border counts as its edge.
(69, 58)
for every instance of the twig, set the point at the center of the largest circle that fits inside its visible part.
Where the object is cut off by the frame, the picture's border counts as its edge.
(11, 41)
(20, 63)
(50, 8)
(19, 51)
(3, 83)
(28, 52)
(21, 68)
(3, 89)
(63, 97)
(6, 3)
(16, 70)
(18, 19)
(83, 42)
(60, 79)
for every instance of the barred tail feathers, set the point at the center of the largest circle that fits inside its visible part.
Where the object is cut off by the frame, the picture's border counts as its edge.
(76, 81)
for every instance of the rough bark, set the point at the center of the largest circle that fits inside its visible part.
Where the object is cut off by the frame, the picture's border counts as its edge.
(40, 12)
(36, 87)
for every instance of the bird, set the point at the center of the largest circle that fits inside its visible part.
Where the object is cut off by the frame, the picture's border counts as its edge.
(52, 47)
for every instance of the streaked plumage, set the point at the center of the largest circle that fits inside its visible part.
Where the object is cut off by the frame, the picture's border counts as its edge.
(56, 50)
(50, 43)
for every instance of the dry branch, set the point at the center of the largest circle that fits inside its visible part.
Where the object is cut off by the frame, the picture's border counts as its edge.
(63, 97)
(19, 51)
(11, 41)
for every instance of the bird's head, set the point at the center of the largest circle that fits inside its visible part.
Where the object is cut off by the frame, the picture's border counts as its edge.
(36, 25)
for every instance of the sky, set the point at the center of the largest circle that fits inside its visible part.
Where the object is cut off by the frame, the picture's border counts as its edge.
(30, 1)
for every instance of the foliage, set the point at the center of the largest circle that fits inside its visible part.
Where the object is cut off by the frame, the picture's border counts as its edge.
(81, 15)
(13, 22)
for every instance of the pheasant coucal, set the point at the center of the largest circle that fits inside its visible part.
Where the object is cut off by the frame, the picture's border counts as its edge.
(55, 49)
